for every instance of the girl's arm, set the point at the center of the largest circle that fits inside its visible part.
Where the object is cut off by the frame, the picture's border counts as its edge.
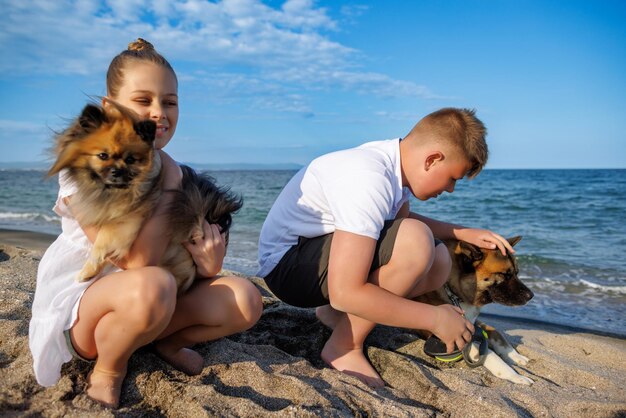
(207, 251)
(152, 241)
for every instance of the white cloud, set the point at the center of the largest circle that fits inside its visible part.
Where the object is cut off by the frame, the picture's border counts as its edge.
(281, 51)
(12, 127)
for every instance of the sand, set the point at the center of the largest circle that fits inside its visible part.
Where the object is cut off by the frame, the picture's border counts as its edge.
(274, 369)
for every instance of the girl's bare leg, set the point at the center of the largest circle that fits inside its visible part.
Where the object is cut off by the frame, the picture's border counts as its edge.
(211, 309)
(117, 314)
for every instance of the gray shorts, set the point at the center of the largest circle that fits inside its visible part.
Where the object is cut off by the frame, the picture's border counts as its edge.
(301, 276)
(71, 348)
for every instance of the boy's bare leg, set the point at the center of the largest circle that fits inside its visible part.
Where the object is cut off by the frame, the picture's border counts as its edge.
(344, 350)
(211, 309)
(328, 316)
(119, 313)
(406, 274)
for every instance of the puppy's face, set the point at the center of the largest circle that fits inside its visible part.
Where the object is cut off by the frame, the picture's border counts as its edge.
(111, 145)
(490, 276)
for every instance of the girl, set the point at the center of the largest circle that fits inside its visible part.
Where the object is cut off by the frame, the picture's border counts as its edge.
(106, 319)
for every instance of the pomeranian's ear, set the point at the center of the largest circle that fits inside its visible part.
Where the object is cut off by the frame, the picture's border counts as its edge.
(146, 129)
(66, 156)
(91, 118)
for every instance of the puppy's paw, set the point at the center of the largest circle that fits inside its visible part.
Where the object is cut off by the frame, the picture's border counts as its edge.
(520, 380)
(517, 358)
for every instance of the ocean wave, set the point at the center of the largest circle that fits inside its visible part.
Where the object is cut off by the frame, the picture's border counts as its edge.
(620, 290)
(29, 216)
(578, 286)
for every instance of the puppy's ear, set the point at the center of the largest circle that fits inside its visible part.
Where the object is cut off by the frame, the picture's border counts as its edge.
(146, 129)
(470, 251)
(470, 255)
(91, 118)
(514, 240)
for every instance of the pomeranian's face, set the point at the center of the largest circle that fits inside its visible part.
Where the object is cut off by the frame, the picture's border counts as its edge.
(110, 144)
(115, 153)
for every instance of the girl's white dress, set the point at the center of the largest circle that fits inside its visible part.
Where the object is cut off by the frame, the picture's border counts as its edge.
(57, 295)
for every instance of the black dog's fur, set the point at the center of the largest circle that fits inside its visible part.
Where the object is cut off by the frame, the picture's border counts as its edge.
(199, 199)
(200, 194)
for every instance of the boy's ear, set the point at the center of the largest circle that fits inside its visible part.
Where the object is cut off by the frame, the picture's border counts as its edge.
(432, 159)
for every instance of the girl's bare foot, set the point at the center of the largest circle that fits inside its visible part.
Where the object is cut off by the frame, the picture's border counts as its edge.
(105, 386)
(352, 362)
(184, 359)
(328, 316)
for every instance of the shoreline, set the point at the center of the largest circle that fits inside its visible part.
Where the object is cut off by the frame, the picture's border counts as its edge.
(274, 369)
(39, 241)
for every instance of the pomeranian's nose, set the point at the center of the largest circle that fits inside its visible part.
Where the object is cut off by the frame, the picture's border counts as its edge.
(117, 172)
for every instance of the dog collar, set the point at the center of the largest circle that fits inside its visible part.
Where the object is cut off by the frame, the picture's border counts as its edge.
(456, 301)
(434, 347)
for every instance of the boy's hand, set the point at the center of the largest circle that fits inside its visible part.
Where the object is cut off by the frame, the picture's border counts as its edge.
(485, 239)
(208, 250)
(451, 327)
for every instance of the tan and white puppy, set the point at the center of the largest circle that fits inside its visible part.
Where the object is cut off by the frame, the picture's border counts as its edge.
(479, 277)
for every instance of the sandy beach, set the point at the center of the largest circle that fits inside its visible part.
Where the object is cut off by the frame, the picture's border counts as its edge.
(274, 369)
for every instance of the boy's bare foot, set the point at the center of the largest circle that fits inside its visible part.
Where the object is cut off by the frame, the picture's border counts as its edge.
(105, 386)
(352, 362)
(328, 315)
(184, 359)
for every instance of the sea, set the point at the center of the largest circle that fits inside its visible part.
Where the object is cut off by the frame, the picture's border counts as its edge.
(573, 226)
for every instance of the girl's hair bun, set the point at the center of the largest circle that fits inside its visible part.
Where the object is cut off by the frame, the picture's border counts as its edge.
(139, 50)
(140, 45)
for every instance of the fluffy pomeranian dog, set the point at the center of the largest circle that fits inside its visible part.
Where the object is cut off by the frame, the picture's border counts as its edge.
(109, 154)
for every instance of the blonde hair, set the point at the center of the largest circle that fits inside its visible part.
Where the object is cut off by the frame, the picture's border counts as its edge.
(459, 128)
(139, 50)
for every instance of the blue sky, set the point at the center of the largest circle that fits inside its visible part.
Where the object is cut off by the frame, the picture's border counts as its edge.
(275, 82)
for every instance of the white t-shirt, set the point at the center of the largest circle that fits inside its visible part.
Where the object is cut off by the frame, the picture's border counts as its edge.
(354, 190)
(55, 305)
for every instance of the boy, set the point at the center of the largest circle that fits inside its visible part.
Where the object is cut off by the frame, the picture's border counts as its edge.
(340, 237)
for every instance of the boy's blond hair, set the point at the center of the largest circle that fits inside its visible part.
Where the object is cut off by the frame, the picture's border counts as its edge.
(459, 128)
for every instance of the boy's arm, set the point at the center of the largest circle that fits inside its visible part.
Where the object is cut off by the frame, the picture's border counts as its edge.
(349, 291)
(480, 237)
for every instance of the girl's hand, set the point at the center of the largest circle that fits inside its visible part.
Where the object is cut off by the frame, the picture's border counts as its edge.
(208, 250)
(452, 328)
(485, 239)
